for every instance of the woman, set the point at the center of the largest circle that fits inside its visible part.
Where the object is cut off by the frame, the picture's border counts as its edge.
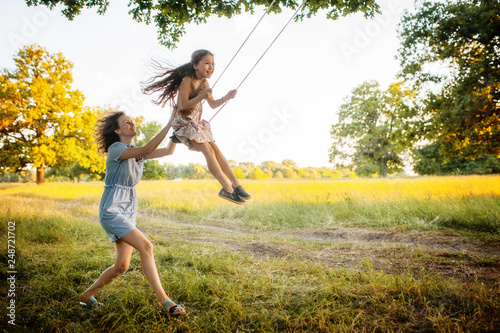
(124, 166)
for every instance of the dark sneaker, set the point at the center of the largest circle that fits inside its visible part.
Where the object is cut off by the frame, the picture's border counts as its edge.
(241, 192)
(175, 139)
(233, 197)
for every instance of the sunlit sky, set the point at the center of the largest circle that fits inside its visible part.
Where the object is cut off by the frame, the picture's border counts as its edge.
(284, 110)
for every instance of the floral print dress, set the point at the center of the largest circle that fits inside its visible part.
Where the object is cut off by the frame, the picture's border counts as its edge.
(192, 127)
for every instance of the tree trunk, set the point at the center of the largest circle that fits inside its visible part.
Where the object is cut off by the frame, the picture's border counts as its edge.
(382, 168)
(40, 178)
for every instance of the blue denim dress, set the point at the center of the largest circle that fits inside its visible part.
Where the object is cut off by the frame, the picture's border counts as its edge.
(119, 201)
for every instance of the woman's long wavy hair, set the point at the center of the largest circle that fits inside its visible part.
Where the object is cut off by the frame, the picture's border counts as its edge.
(169, 79)
(105, 130)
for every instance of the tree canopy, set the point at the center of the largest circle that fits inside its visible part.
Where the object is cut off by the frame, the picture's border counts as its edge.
(429, 161)
(170, 17)
(368, 135)
(42, 119)
(451, 52)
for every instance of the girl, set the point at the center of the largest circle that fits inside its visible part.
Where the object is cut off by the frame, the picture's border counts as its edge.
(189, 83)
(124, 166)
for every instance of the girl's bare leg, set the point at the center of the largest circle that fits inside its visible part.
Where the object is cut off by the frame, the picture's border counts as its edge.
(213, 164)
(226, 168)
(124, 253)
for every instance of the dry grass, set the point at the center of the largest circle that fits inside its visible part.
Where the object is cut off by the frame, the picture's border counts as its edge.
(411, 255)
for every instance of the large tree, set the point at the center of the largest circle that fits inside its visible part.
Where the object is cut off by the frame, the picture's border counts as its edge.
(428, 161)
(146, 131)
(42, 119)
(368, 136)
(170, 17)
(451, 52)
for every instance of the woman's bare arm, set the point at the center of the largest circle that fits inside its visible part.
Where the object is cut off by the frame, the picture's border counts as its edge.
(169, 150)
(151, 146)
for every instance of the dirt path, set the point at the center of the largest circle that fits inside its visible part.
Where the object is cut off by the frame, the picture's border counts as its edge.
(390, 251)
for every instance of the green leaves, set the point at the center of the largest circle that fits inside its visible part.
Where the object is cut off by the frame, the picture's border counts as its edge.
(170, 17)
(145, 131)
(73, 7)
(450, 53)
(369, 135)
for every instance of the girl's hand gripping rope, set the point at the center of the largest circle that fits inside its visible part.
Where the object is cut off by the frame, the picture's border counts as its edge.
(230, 95)
(207, 93)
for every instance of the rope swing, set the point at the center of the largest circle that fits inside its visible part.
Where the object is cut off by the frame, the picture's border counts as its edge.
(244, 42)
(263, 54)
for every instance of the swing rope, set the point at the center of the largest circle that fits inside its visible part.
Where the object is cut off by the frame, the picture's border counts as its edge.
(250, 34)
(263, 54)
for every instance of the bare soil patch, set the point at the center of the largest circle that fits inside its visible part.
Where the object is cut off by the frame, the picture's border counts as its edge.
(434, 240)
(391, 251)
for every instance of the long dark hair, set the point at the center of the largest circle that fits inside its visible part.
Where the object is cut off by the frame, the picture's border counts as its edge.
(169, 79)
(105, 130)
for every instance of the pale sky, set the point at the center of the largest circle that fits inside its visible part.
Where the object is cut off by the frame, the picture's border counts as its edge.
(285, 108)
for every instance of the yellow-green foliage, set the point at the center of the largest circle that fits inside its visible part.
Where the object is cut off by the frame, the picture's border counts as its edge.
(38, 101)
(311, 191)
(465, 203)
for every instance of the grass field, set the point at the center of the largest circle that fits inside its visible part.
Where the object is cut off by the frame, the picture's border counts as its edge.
(397, 255)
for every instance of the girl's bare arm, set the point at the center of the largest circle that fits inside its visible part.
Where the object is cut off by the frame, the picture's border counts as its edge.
(185, 90)
(218, 102)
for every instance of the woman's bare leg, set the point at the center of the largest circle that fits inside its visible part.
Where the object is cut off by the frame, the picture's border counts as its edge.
(137, 240)
(213, 164)
(134, 239)
(124, 253)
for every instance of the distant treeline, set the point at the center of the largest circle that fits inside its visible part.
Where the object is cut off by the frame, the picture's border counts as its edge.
(153, 170)
(243, 170)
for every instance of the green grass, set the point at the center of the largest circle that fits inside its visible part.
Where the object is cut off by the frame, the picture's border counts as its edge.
(272, 266)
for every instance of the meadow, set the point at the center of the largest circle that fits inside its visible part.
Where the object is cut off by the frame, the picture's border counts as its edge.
(343, 255)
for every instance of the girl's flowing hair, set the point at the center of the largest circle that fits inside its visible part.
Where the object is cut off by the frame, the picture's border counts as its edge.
(105, 130)
(169, 79)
